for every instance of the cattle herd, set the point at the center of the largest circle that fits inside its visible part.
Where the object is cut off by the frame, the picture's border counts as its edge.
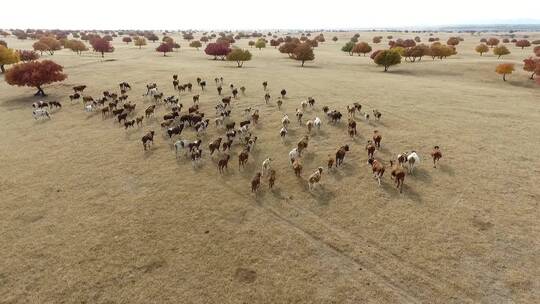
(237, 133)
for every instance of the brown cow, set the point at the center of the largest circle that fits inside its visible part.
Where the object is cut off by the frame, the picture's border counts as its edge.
(222, 163)
(256, 182)
(398, 175)
(436, 154)
(147, 139)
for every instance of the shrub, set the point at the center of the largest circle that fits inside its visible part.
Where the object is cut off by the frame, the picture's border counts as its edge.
(261, 43)
(523, 43)
(217, 50)
(251, 43)
(348, 47)
(531, 65)
(334, 38)
(102, 46)
(500, 50)
(204, 39)
(239, 55)
(361, 47)
(76, 46)
(274, 43)
(140, 41)
(35, 74)
(188, 36)
(288, 48)
(504, 69)
(377, 39)
(7, 56)
(164, 48)
(303, 53)
(195, 44)
(387, 58)
(492, 42)
(453, 41)
(27, 55)
(481, 48)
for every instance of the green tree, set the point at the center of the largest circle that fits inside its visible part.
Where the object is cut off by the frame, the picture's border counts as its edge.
(500, 51)
(239, 55)
(387, 58)
(348, 47)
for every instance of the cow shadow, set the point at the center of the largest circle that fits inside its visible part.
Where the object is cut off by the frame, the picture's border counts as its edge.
(446, 169)
(421, 174)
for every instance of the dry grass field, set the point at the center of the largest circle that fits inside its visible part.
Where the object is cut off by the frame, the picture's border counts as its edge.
(86, 216)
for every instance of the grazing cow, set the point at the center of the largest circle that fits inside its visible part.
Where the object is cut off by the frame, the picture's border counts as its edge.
(315, 178)
(302, 144)
(74, 96)
(243, 90)
(40, 114)
(271, 178)
(199, 80)
(317, 122)
(40, 104)
(124, 86)
(219, 121)
(266, 165)
(194, 145)
(335, 116)
(181, 144)
(304, 105)
(377, 114)
(167, 123)
(227, 145)
(172, 115)
(213, 146)
(256, 182)
(117, 112)
(358, 106)
(283, 133)
(123, 117)
(398, 175)
(402, 159)
(311, 101)
(366, 116)
(87, 99)
(140, 121)
(325, 109)
(285, 120)
(202, 84)
(255, 117)
(340, 155)
(235, 93)
(283, 93)
(251, 143)
(370, 148)
(223, 163)
(196, 156)
(352, 127)
(377, 139)
(294, 155)
(265, 85)
(230, 125)
(231, 134)
(105, 112)
(245, 123)
(196, 98)
(219, 89)
(279, 103)
(177, 130)
(299, 115)
(436, 154)
(79, 88)
(377, 169)
(351, 111)
(129, 124)
(89, 107)
(297, 167)
(266, 98)
(309, 125)
(147, 139)
(242, 158)
(175, 84)
(201, 126)
(55, 104)
(158, 97)
(330, 161)
(413, 159)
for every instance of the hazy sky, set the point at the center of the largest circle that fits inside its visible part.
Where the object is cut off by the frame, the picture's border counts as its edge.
(252, 14)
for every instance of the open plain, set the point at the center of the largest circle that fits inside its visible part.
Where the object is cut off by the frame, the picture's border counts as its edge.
(88, 216)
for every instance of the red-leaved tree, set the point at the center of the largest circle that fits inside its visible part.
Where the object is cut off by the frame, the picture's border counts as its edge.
(35, 74)
(523, 43)
(27, 55)
(531, 65)
(164, 48)
(217, 50)
(102, 46)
